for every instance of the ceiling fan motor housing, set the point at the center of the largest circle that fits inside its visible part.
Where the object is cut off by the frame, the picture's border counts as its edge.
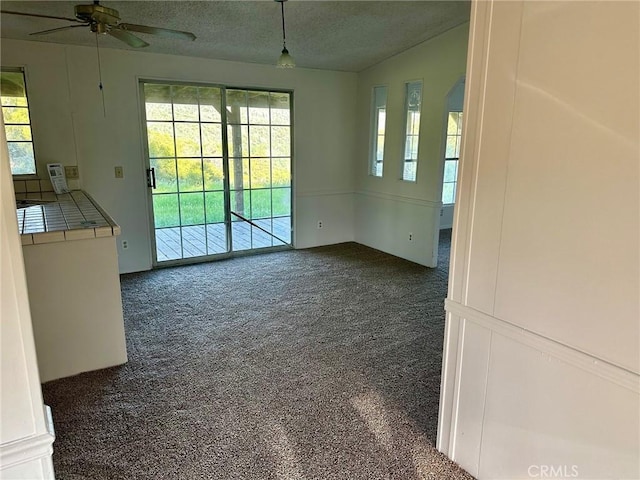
(97, 14)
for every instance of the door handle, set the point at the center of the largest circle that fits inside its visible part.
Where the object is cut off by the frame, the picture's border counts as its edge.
(151, 178)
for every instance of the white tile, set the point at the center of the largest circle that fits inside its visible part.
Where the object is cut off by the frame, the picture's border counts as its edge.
(104, 232)
(79, 234)
(48, 237)
(26, 239)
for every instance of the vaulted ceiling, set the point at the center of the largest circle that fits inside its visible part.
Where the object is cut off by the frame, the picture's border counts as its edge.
(343, 35)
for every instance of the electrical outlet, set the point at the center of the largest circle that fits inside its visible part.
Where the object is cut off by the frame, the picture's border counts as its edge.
(410, 237)
(119, 172)
(71, 171)
(319, 223)
(125, 245)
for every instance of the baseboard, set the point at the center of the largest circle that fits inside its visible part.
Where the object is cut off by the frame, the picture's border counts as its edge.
(29, 449)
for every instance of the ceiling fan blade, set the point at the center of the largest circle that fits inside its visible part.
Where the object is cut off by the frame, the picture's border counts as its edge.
(128, 38)
(163, 32)
(40, 16)
(45, 32)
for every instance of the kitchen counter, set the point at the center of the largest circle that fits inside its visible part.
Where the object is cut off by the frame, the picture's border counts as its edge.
(71, 262)
(46, 217)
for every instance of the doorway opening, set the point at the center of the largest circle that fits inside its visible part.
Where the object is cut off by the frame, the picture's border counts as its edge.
(218, 170)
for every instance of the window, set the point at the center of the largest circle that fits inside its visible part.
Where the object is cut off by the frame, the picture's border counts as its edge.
(17, 121)
(379, 118)
(452, 154)
(412, 103)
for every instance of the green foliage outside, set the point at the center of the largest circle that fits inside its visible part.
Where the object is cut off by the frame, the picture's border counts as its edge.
(15, 113)
(187, 158)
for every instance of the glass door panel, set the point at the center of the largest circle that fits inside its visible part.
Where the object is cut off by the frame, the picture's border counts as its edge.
(197, 137)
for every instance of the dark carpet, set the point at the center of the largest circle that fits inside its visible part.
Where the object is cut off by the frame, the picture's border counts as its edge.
(309, 364)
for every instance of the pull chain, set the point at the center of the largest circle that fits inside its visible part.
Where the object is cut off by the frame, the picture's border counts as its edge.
(104, 108)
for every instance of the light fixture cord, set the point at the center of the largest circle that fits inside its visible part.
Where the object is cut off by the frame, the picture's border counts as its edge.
(104, 107)
(284, 36)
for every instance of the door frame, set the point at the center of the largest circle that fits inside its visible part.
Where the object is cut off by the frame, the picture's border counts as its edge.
(230, 253)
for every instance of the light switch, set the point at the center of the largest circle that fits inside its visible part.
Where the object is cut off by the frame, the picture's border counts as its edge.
(119, 172)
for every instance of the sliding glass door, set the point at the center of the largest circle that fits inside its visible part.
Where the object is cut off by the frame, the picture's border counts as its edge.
(219, 169)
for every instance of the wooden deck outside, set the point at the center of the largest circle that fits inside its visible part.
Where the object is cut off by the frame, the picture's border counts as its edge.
(200, 240)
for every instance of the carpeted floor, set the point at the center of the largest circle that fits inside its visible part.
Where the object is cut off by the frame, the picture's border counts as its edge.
(311, 364)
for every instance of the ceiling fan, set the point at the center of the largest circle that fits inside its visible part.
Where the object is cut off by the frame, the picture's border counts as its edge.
(101, 19)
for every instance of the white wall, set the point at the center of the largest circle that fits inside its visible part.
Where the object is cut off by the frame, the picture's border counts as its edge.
(387, 209)
(541, 361)
(69, 127)
(26, 433)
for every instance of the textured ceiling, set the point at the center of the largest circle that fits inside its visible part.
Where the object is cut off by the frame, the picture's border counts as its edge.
(344, 35)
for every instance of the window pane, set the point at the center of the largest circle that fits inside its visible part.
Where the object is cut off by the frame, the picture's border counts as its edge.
(378, 128)
(214, 202)
(21, 157)
(281, 201)
(13, 96)
(239, 204)
(281, 172)
(190, 174)
(238, 138)
(12, 89)
(165, 210)
(260, 203)
(211, 139)
(237, 107)
(213, 174)
(161, 142)
(187, 139)
(16, 115)
(192, 208)
(279, 108)
(413, 103)
(382, 119)
(452, 125)
(166, 178)
(259, 143)
(158, 102)
(185, 103)
(380, 152)
(451, 147)
(259, 108)
(409, 172)
(260, 173)
(450, 170)
(238, 173)
(280, 142)
(18, 133)
(210, 104)
(448, 193)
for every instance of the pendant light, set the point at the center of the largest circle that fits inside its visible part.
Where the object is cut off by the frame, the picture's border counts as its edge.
(285, 60)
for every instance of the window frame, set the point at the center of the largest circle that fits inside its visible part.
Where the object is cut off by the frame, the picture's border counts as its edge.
(405, 110)
(373, 133)
(458, 136)
(24, 176)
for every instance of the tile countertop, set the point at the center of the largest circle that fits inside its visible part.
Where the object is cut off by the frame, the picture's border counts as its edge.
(70, 216)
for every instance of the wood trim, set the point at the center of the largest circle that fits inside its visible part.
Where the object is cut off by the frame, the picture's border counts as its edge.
(401, 199)
(583, 360)
(30, 448)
